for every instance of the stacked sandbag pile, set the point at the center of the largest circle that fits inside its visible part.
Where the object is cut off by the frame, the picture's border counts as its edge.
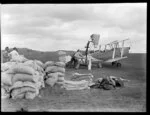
(21, 80)
(5, 84)
(54, 72)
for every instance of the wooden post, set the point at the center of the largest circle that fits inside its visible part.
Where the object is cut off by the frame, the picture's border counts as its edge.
(114, 53)
(99, 48)
(86, 52)
(105, 47)
(89, 63)
(122, 48)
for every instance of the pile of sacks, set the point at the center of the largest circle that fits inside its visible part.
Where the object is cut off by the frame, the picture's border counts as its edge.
(54, 72)
(22, 80)
(78, 82)
(79, 77)
(109, 83)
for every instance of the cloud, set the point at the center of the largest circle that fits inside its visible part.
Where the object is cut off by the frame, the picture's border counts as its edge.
(71, 24)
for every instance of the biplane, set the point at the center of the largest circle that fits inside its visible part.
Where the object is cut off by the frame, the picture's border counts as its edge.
(113, 52)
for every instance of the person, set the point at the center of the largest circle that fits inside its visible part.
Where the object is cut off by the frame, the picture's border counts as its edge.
(72, 61)
(6, 56)
(78, 57)
(14, 53)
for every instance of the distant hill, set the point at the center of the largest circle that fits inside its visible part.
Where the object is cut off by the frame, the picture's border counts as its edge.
(41, 55)
(54, 56)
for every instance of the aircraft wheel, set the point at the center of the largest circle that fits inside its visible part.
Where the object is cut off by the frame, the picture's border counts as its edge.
(113, 63)
(118, 64)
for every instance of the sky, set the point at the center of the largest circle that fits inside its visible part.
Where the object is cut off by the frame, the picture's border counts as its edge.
(52, 27)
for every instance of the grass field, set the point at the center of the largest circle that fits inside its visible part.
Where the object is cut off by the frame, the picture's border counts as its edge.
(131, 98)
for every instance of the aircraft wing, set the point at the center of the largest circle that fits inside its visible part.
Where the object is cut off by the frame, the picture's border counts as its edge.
(115, 59)
(96, 60)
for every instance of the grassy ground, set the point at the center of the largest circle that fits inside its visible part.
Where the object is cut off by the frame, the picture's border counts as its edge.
(131, 98)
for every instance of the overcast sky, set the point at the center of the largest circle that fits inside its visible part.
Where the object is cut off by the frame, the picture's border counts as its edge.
(51, 27)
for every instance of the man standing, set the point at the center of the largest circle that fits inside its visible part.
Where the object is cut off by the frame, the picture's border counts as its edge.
(78, 57)
(6, 56)
(14, 53)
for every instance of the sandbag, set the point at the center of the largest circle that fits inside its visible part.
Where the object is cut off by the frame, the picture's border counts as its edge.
(60, 79)
(75, 82)
(6, 78)
(4, 93)
(6, 66)
(20, 84)
(76, 86)
(24, 77)
(39, 68)
(88, 78)
(49, 63)
(28, 62)
(19, 91)
(50, 75)
(52, 69)
(30, 95)
(34, 65)
(51, 81)
(80, 75)
(59, 74)
(6, 87)
(39, 76)
(38, 62)
(20, 96)
(60, 64)
(21, 68)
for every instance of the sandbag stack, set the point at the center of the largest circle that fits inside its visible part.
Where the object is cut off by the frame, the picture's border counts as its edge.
(55, 72)
(78, 82)
(22, 80)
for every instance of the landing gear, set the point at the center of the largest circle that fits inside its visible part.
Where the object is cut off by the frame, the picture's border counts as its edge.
(113, 63)
(117, 64)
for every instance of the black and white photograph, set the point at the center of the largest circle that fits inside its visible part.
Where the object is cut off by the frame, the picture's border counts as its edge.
(87, 57)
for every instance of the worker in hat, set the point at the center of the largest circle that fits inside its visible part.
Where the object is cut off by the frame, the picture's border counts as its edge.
(14, 53)
(78, 57)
